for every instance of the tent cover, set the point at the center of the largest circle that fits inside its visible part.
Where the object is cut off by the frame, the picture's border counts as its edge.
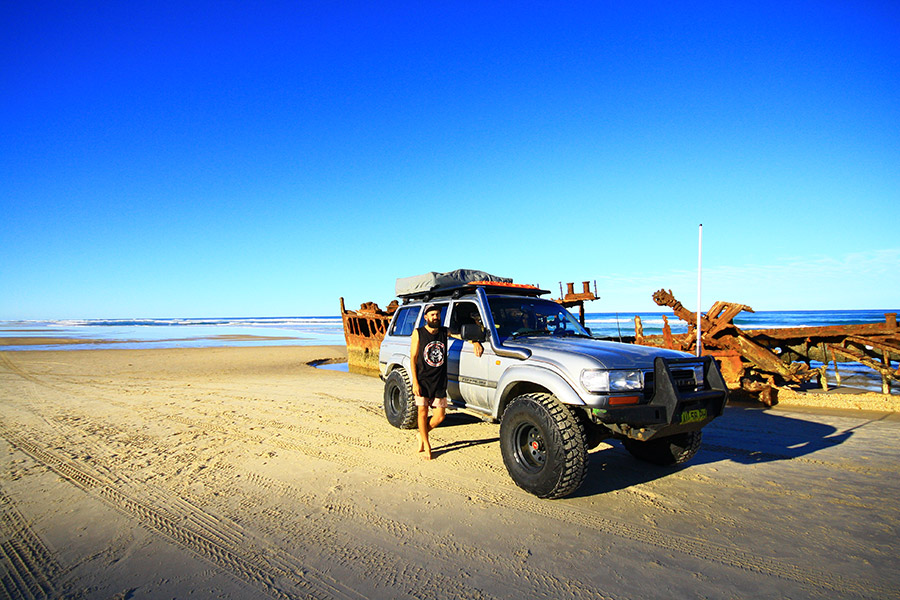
(429, 282)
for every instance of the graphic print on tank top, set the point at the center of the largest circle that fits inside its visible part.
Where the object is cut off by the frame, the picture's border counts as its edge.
(434, 354)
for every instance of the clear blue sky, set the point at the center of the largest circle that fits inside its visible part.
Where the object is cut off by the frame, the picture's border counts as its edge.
(262, 159)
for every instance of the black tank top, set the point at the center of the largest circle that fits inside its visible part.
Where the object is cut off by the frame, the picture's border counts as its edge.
(431, 362)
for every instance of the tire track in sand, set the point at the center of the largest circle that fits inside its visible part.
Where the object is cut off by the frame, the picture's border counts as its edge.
(528, 581)
(204, 535)
(30, 567)
(379, 568)
(188, 525)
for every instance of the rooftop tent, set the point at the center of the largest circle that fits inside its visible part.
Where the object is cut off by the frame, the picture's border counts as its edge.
(429, 282)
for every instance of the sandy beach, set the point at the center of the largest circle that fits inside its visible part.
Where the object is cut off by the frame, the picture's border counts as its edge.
(247, 473)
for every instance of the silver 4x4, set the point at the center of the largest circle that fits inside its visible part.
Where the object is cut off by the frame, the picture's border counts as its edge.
(556, 391)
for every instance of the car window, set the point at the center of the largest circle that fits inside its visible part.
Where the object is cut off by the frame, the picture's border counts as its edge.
(405, 321)
(464, 313)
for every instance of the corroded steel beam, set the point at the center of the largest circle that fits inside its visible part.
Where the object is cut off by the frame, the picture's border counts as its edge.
(782, 354)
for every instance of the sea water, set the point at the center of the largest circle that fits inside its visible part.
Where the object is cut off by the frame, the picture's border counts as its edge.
(177, 333)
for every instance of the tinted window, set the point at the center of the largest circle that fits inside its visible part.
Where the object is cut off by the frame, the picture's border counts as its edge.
(405, 321)
(464, 313)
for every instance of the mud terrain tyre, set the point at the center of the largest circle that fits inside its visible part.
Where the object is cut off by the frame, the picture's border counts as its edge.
(543, 446)
(399, 402)
(671, 450)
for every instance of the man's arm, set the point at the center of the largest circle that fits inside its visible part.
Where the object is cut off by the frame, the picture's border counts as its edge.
(413, 356)
(479, 349)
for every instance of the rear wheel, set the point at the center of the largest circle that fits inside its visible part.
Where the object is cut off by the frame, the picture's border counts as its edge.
(667, 451)
(399, 402)
(543, 446)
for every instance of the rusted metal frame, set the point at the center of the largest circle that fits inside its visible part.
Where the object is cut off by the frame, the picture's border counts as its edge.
(884, 345)
(722, 320)
(823, 331)
(762, 358)
(875, 343)
(860, 357)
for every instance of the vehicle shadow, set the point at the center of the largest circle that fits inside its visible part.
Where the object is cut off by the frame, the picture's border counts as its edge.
(612, 468)
(752, 435)
(742, 435)
(456, 418)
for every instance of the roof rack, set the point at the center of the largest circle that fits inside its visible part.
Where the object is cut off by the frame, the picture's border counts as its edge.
(495, 287)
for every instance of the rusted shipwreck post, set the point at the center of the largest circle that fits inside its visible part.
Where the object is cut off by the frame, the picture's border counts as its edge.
(573, 299)
(759, 360)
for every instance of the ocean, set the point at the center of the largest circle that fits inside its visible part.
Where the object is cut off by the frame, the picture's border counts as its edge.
(328, 330)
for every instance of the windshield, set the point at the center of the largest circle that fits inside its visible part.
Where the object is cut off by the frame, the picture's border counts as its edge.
(519, 317)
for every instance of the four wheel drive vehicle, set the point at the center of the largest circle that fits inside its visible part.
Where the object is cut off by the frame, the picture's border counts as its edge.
(556, 391)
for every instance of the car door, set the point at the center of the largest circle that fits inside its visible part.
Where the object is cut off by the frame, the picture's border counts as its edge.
(466, 373)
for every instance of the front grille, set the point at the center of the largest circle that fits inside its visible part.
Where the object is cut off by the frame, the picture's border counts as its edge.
(684, 380)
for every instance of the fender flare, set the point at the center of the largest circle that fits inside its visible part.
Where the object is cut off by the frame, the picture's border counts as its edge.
(397, 360)
(546, 378)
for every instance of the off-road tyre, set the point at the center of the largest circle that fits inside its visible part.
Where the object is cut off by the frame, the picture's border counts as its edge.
(667, 451)
(543, 446)
(399, 402)
(593, 434)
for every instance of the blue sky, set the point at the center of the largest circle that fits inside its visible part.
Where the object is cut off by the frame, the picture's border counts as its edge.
(262, 159)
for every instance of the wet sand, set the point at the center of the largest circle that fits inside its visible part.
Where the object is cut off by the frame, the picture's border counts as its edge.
(247, 473)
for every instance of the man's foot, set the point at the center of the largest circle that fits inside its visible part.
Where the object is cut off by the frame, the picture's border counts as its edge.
(421, 442)
(427, 451)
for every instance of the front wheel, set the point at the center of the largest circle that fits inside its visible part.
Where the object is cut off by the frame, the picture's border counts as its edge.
(543, 446)
(399, 402)
(666, 451)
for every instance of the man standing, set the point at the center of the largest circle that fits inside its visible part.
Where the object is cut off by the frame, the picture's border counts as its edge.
(428, 367)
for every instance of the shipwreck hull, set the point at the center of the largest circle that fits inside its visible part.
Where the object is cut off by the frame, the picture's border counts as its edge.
(363, 331)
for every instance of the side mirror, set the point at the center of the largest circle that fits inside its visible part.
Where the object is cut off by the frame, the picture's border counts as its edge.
(471, 332)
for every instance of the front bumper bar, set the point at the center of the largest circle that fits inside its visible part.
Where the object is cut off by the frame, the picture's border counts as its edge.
(669, 410)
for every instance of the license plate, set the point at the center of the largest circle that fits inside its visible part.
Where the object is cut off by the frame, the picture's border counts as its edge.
(693, 416)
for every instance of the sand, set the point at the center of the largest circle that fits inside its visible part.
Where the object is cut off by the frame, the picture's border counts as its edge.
(246, 473)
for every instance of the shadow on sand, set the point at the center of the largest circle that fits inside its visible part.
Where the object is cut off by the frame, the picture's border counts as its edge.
(457, 419)
(742, 435)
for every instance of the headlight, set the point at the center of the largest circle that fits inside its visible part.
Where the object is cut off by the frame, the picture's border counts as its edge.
(611, 381)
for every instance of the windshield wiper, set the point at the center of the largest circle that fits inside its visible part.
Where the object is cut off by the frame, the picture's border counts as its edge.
(574, 334)
(530, 332)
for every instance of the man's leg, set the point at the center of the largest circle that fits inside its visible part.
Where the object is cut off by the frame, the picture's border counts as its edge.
(438, 417)
(424, 445)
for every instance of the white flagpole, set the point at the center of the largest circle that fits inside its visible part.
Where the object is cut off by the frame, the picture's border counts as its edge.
(699, 271)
